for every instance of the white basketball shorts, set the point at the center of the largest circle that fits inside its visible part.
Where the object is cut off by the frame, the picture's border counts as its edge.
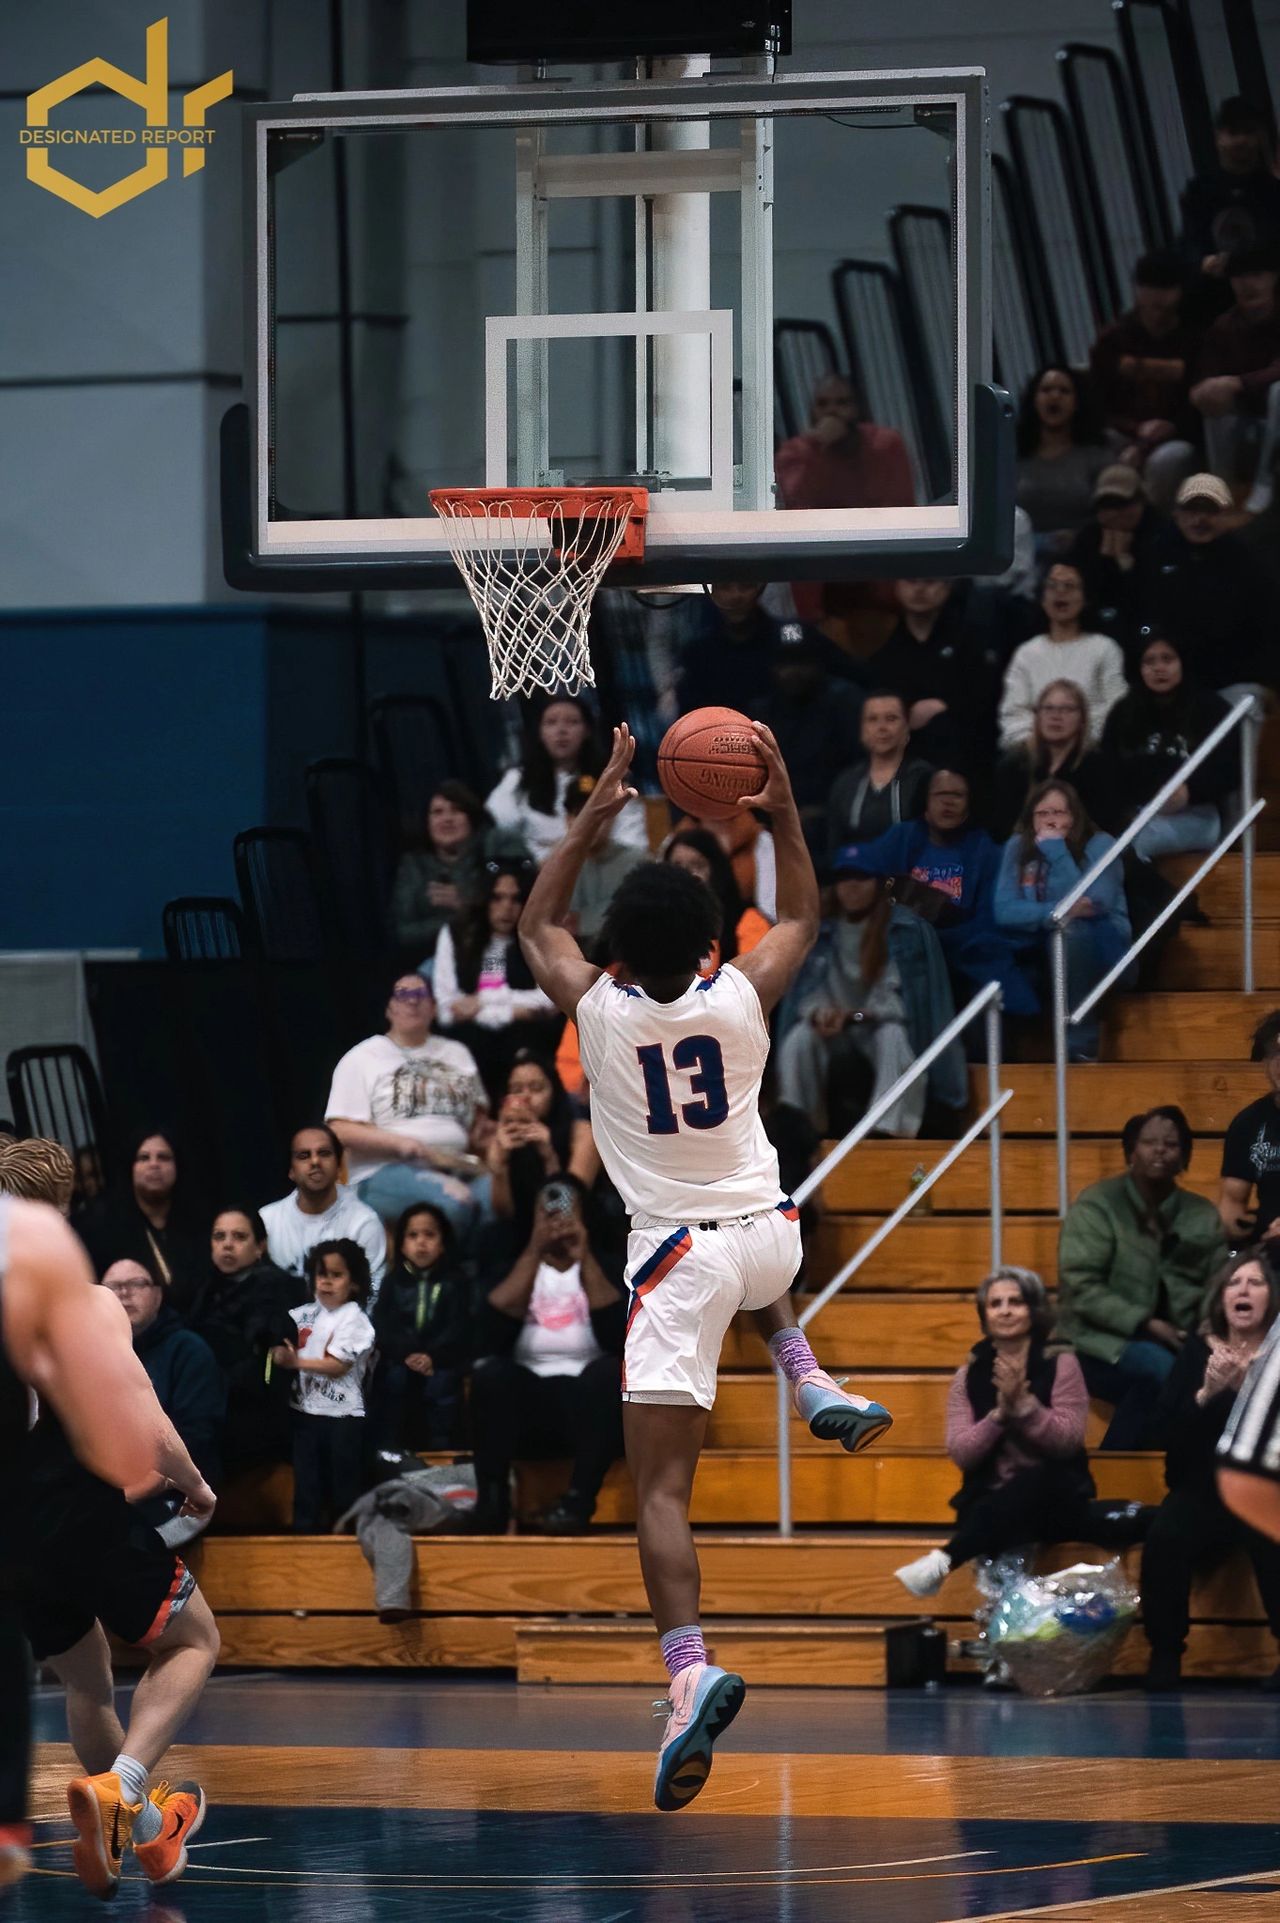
(687, 1284)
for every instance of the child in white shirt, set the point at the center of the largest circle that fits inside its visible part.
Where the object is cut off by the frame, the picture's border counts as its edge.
(332, 1356)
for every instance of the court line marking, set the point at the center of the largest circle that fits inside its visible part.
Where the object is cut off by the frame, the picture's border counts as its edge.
(586, 1880)
(1099, 1902)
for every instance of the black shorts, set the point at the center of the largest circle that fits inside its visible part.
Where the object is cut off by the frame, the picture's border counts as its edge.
(1251, 1440)
(91, 1558)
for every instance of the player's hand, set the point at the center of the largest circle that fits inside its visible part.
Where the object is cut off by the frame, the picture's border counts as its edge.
(612, 793)
(776, 793)
(199, 1502)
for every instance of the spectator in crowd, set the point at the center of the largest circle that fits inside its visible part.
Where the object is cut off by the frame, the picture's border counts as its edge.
(1211, 596)
(421, 1325)
(1117, 553)
(1141, 368)
(1058, 745)
(842, 460)
(1237, 203)
(748, 847)
(813, 717)
(741, 923)
(241, 1310)
(1193, 1528)
(636, 640)
(445, 877)
(537, 1138)
(1149, 734)
(871, 996)
(886, 784)
(408, 1107)
(730, 647)
(1062, 449)
(485, 996)
(1016, 1419)
(187, 1382)
(606, 864)
(549, 1379)
(942, 672)
(148, 1216)
(1054, 846)
(558, 746)
(1260, 537)
(329, 1359)
(1238, 391)
(1136, 1254)
(944, 869)
(1068, 650)
(1251, 1152)
(90, 1181)
(320, 1209)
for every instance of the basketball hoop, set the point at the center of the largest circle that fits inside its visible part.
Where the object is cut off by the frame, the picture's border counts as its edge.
(532, 559)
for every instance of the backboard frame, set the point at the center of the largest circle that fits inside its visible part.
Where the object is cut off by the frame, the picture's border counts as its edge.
(975, 536)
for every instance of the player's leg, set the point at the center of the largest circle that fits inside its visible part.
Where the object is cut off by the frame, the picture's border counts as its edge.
(182, 1660)
(771, 1249)
(84, 1670)
(663, 1445)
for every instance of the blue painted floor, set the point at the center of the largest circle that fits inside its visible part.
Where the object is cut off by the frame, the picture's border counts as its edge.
(297, 1863)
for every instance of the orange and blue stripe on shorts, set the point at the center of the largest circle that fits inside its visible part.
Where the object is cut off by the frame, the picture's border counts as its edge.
(788, 1208)
(652, 1271)
(181, 1590)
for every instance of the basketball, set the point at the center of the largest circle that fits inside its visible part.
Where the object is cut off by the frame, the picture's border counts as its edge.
(708, 760)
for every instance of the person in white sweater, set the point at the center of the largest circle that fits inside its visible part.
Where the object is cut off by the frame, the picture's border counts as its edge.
(318, 1209)
(1066, 651)
(560, 749)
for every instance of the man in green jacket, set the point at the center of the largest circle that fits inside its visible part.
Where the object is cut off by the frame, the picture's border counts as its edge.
(1135, 1258)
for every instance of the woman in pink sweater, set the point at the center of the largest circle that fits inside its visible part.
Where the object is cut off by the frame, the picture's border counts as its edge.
(1015, 1429)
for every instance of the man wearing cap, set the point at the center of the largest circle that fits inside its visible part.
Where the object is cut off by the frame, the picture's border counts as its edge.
(1141, 367)
(1116, 552)
(1211, 596)
(1238, 392)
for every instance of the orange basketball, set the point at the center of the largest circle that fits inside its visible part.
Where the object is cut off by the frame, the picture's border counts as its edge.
(708, 760)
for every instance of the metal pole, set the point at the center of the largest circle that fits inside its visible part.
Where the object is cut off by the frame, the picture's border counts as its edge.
(1248, 740)
(994, 1134)
(1058, 965)
(784, 1455)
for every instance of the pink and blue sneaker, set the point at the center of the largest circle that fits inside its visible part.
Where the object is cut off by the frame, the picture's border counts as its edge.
(833, 1415)
(703, 1701)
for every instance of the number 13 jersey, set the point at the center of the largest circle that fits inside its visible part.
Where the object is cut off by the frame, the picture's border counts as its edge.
(675, 1097)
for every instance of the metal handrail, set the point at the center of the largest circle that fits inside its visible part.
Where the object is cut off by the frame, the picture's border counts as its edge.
(1244, 716)
(986, 1003)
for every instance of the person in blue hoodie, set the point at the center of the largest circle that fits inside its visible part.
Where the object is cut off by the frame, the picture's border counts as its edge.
(1053, 847)
(945, 869)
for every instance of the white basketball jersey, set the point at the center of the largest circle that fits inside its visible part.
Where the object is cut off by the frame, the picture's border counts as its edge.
(675, 1097)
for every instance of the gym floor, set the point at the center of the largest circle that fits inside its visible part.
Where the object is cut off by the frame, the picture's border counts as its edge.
(363, 1798)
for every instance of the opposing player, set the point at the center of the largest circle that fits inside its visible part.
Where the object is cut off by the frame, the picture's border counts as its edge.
(675, 1062)
(78, 1557)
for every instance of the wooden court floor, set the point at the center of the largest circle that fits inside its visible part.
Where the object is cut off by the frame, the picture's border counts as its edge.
(378, 1797)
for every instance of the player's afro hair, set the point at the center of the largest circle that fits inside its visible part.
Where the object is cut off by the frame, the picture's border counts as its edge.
(662, 921)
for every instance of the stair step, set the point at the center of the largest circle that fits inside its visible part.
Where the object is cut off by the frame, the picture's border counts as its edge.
(745, 1415)
(875, 1177)
(856, 1332)
(1210, 957)
(1221, 893)
(1213, 1025)
(1101, 1096)
(931, 1252)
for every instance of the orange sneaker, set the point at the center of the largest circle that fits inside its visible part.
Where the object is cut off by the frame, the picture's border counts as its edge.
(181, 1811)
(104, 1822)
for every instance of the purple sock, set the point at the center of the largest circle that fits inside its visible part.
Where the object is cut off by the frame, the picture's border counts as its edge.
(681, 1647)
(790, 1350)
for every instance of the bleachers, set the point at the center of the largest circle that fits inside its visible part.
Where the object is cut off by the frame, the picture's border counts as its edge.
(573, 1610)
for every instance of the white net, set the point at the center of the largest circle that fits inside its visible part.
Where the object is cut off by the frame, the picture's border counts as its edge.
(532, 567)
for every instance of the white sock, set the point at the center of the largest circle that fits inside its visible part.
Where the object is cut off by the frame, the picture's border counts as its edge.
(133, 1788)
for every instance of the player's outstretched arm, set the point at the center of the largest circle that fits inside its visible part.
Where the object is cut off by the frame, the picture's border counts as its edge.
(559, 966)
(71, 1341)
(775, 961)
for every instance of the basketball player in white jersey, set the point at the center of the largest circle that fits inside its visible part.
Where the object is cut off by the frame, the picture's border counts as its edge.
(675, 1063)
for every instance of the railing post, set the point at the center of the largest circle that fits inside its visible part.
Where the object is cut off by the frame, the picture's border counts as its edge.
(994, 1135)
(1248, 740)
(1058, 966)
(784, 1455)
